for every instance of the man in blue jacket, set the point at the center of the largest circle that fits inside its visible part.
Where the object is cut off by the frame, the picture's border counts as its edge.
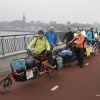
(51, 37)
(90, 34)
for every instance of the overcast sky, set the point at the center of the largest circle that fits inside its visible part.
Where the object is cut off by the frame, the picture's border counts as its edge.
(61, 11)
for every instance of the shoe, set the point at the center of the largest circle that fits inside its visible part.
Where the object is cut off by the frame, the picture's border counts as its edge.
(78, 64)
(81, 66)
(49, 65)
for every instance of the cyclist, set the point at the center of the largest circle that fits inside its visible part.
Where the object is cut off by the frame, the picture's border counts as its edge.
(68, 35)
(90, 34)
(51, 37)
(41, 47)
(79, 48)
(96, 35)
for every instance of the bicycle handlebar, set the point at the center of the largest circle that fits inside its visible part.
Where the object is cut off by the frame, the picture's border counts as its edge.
(34, 54)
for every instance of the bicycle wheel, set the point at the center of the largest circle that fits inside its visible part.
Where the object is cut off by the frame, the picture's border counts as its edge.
(52, 71)
(96, 50)
(5, 84)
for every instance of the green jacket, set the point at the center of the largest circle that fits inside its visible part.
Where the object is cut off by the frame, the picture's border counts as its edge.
(95, 35)
(40, 45)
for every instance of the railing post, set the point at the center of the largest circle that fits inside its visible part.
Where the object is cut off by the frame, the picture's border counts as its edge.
(14, 43)
(25, 42)
(2, 46)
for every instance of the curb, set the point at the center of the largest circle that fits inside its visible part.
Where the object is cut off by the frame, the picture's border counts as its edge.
(4, 73)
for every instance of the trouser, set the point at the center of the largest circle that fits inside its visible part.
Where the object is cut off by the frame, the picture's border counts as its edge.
(52, 47)
(49, 55)
(80, 55)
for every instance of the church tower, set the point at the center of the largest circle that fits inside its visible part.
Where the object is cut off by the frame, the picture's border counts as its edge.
(24, 19)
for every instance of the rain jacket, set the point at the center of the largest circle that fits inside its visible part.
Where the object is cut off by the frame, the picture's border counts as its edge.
(40, 44)
(79, 41)
(90, 35)
(51, 37)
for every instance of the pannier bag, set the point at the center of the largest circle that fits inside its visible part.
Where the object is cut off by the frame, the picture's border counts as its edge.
(30, 62)
(58, 61)
(67, 59)
(18, 65)
(87, 52)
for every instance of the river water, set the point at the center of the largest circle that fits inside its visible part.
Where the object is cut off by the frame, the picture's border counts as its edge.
(5, 33)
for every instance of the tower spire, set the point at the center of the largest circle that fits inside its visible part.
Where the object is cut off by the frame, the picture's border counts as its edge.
(24, 19)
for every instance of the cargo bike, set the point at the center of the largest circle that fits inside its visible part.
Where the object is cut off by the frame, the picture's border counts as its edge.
(23, 69)
(67, 54)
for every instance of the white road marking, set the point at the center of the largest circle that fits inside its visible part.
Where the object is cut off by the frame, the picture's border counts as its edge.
(87, 64)
(98, 95)
(54, 88)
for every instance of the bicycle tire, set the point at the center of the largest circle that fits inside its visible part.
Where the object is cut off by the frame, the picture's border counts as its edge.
(5, 84)
(52, 71)
(96, 50)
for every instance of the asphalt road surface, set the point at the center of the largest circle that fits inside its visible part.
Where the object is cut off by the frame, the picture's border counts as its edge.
(71, 83)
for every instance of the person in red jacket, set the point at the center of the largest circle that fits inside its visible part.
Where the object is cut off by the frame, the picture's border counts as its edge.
(79, 48)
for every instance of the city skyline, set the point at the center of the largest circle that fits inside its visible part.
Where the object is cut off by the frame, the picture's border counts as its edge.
(82, 11)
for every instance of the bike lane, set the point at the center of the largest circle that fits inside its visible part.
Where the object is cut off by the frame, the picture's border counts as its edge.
(73, 83)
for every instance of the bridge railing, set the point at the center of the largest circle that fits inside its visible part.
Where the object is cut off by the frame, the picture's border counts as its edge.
(13, 44)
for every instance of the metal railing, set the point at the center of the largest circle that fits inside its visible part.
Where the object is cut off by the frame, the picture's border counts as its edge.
(13, 44)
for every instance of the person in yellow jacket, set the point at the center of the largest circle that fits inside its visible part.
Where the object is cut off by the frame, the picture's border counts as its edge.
(41, 46)
(95, 33)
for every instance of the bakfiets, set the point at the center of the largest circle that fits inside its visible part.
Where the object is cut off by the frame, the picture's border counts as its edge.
(23, 69)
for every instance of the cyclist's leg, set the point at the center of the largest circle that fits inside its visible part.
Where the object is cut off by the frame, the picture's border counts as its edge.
(77, 52)
(50, 57)
(81, 57)
(51, 47)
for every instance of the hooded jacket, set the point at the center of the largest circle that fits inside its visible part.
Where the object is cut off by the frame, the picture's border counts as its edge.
(90, 35)
(40, 44)
(51, 37)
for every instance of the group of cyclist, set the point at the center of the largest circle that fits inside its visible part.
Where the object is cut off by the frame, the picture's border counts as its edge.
(45, 42)
(79, 37)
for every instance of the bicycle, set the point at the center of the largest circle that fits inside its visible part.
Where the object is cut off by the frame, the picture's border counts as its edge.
(29, 73)
(94, 46)
(66, 58)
